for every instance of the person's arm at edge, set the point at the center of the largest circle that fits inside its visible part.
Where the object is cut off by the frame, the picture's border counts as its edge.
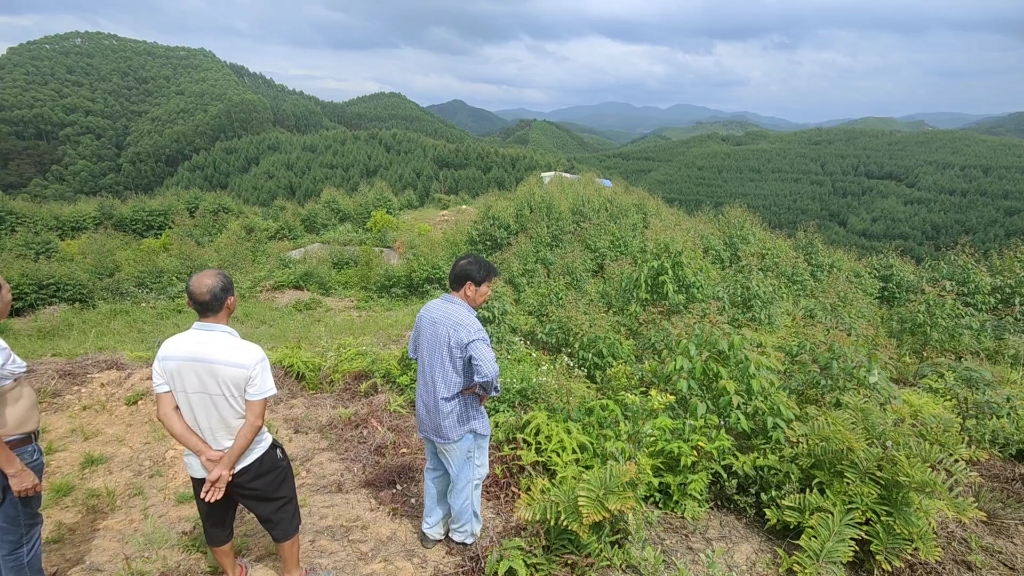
(22, 479)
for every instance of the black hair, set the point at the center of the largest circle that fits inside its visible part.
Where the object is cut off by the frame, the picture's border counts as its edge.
(471, 268)
(209, 299)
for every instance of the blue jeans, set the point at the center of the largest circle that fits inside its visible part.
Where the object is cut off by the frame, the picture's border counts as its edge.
(21, 523)
(452, 481)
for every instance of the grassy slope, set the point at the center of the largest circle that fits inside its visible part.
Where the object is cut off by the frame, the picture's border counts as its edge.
(74, 332)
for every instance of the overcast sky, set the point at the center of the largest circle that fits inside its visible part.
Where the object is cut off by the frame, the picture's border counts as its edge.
(806, 60)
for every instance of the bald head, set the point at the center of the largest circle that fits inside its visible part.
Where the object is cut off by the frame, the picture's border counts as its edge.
(208, 292)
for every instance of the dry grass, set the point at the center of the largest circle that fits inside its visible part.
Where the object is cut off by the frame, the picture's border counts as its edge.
(994, 545)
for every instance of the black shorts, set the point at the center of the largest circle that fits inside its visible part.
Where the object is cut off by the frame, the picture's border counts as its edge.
(266, 487)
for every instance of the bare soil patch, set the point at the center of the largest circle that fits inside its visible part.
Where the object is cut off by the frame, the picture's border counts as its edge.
(718, 543)
(118, 497)
(286, 297)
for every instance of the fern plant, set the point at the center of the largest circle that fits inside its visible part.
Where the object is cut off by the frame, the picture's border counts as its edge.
(828, 542)
(584, 512)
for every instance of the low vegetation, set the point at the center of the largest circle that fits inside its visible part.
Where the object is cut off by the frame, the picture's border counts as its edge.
(652, 361)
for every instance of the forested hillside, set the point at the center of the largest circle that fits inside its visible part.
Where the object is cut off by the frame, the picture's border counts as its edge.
(919, 192)
(1011, 125)
(276, 165)
(722, 127)
(615, 136)
(548, 137)
(470, 118)
(93, 113)
(878, 123)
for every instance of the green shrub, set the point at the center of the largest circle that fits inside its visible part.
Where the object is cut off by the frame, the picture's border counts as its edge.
(305, 367)
(35, 246)
(143, 219)
(42, 285)
(987, 402)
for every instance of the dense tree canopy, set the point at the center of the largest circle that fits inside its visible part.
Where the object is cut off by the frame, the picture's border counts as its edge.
(263, 168)
(920, 192)
(546, 136)
(97, 114)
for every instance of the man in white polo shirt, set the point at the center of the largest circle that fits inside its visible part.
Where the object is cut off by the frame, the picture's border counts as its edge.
(211, 390)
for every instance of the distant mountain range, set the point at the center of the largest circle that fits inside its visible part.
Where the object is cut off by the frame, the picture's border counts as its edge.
(620, 123)
(643, 119)
(879, 123)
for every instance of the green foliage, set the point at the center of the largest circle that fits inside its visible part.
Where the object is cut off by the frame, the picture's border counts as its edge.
(303, 366)
(473, 120)
(583, 509)
(137, 111)
(986, 401)
(390, 111)
(1010, 125)
(548, 137)
(919, 192)
(827, 544)
(732, 365)
(651, 360)
(279, 165)
(719, 127)
(144, 220)
(348, 362)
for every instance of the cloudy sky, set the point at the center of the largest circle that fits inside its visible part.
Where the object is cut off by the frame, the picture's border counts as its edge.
(806, 60)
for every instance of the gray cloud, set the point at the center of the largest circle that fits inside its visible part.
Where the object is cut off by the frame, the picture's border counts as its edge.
(804, 59)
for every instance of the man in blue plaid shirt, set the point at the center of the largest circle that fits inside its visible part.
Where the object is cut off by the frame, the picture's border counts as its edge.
(456, 374)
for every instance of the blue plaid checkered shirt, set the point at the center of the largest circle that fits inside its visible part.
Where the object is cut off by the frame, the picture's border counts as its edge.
(453, 352)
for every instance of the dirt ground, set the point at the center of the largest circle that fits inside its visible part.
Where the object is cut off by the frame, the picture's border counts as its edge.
(118, 500)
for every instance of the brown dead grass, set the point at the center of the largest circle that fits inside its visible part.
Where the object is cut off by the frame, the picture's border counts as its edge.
(286, 297)
(994, 545)
(718, 543)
